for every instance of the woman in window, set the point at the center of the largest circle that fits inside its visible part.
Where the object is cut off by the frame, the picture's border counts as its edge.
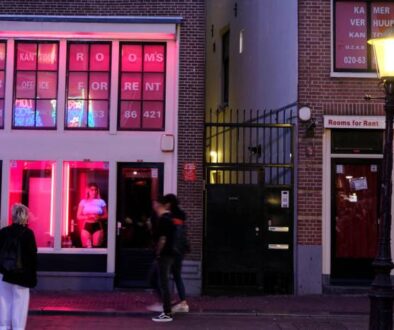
(91, 213)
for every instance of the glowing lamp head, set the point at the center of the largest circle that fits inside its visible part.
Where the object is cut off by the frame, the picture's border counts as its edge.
(384, 54)
(214, 156)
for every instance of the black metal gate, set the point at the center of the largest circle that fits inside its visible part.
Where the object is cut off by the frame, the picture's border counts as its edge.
(248, 233)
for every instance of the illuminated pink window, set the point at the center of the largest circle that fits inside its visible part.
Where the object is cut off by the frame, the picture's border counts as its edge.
(36, 78)
(142, 86)
(88, 86)
(85, 205)
(32, 184)
(2, 81)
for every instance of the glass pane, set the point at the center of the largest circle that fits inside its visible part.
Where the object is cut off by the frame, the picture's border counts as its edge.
(47, 56)
(99, 85)
(2, 83)
(154, 86)
(32, 184)
(46, 85)
(357, 141)
(99, 57)
(26, 56)
(77, 113)
(131, 58)
(1, 113)
(86, 195)
(25, 85)
(24, 113)
(152, 116)
(46, 113)
(98, 114)
(154, 58)
(2, 55)
(138, 188)
(130, 115)
(356, 195)
(130, 88)
(78, 85)
(78, 57)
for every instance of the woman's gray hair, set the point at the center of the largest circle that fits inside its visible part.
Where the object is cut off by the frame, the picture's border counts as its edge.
(20, 214)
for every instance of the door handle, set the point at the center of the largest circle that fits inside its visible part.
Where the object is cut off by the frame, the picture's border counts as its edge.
(118, 227)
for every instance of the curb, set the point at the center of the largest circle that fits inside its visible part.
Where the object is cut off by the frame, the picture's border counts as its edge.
(112, 313)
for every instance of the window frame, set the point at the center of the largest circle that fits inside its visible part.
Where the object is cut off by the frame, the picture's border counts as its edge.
(141, 100)
(36, 71)
(2, 41)
(225, 62)
(88, 72)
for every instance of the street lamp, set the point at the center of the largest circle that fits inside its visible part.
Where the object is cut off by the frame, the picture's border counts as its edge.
(381, 294)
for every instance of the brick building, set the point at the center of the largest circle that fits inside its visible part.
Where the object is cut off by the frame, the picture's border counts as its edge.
(337, 153)
(110, 92)
(339, 163)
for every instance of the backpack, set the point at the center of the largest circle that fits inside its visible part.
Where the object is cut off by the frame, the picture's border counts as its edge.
(11, 254)
(181, 243)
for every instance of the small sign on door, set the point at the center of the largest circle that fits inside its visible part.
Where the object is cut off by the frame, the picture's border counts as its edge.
(285, 199)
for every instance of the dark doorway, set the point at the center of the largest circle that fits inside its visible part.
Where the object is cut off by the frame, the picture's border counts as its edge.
(233, 258)
(138, 185)
(354, 233)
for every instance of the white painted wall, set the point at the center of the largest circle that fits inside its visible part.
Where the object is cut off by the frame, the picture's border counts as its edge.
(265, 74)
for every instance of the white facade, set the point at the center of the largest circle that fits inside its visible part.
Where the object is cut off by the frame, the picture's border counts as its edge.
(112, 146)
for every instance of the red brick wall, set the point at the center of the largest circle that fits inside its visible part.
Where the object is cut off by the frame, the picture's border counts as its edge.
(191, 80)
(324, 95)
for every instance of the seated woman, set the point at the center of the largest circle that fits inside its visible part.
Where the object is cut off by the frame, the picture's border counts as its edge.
(92, 211)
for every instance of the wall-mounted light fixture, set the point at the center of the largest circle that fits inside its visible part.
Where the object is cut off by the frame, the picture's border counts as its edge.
(214, 156)
(305, 116)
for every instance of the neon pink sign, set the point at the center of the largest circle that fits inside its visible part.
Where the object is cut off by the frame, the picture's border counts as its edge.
(130, 86)
(46, 85)
(79, 57)
(26, 56)
(132, 58)
(25, 85)
(154, 58)
(99, 85)
(130, 115)
(77, 85)
(351, 35)
(99, 57)
(98, 114)
(153, 86)
(47, 56)
(152, 115)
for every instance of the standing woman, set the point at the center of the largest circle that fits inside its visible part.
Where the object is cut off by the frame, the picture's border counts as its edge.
(14, 286)
(92, 211)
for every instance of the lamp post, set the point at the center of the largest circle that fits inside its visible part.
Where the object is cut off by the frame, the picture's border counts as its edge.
(381, 294)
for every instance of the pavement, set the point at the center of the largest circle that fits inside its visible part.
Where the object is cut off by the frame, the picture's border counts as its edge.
(133, 303)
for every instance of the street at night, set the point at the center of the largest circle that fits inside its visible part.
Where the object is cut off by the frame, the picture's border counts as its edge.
(195, 321)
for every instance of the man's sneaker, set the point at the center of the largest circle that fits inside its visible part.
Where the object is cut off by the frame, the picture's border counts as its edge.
(180, 308)
(155, 308)
(163, 317)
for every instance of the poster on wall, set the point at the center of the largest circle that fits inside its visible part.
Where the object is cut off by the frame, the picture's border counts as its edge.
(351, 35)
(189, 172)
(355, 23)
